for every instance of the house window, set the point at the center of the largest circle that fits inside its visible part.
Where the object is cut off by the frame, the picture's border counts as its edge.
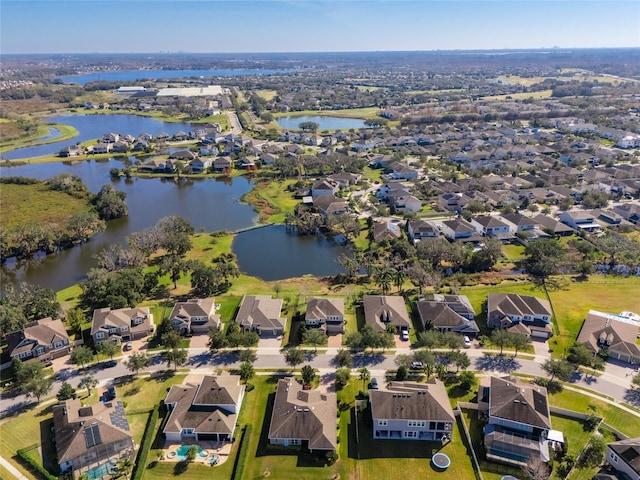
(99, 334)
(294, 441)
(124, 329)
(39, 350)
(188, 431)
(137, 321)
(613, 457)
(57, 344)
(410, 434)
(382, 423)
(416, 423)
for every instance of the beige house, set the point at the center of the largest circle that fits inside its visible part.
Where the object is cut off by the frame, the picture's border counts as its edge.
(121, 325)
(326, 314)
(520, 313)
(261, 314)
(383, 310)
(305, 418)
(612, 332)
(195, 316)
(43, 339)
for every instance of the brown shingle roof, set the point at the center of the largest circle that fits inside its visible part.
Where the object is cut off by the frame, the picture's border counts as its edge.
(380, 310)
(412, 401)
(518, 402)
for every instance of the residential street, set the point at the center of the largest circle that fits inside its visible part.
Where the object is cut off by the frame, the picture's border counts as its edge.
(614, 383)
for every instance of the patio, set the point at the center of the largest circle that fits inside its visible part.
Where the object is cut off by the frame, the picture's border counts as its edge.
(213, 449)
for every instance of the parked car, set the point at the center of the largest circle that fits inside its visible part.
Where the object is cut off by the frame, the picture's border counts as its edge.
(128, 346)
(110, 394)
(467, 342)
(374, 383)
(110, 363)
(404, 335)
(417, 365)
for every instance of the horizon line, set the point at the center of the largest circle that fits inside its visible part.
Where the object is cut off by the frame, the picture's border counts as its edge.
(438, 50)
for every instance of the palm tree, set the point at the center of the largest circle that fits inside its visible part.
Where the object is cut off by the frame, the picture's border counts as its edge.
(383, 279)
(399, 278)
(364, 375)
(124, 467)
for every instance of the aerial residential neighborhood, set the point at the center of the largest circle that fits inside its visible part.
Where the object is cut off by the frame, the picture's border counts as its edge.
(414, 258)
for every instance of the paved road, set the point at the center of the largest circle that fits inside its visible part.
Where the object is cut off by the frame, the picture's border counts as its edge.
(236, 128)
(201, 361)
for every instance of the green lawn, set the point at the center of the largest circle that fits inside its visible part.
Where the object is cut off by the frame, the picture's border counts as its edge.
(266, 94)
(366, 112)
(272, 200)
(137, 424)
(513, 252)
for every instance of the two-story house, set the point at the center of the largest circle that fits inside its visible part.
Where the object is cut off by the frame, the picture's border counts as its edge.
(615, 333)
(305, 418)
(121, 325)
(383, 310)
(519, 223)
(412, 411)
(580, 220)
(261, 314)
(206, 410)
(419, 229)
(326, 314)
(624, 457)
(518, 421)
(519, 313)
(43, 339)
(459, 229)
(91, 439)
(490, 226)
(195, 316)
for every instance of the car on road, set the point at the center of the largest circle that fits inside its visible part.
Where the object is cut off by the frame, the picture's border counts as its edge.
(467, 342)
(374, 383)
(110, 363)
(404, 335)
(417, 365)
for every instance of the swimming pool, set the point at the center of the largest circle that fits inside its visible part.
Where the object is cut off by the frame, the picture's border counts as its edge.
(101, 471)
(181, 452)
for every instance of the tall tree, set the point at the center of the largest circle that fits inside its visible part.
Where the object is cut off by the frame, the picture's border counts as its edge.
(246, 371)
(364, 375)
(75, 319)
(308, 375)
(294, 357)
(89, 382)
(544, 257)
(108, 348)
(501, 338)
(315, 337)
(136, 362)
(81, 355)
(558, 368)
(343, 358)
(519, 342)
(177, 356)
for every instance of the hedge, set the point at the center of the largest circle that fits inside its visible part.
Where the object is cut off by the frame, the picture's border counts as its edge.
(34, 466)
(147, 439)
(241, 457)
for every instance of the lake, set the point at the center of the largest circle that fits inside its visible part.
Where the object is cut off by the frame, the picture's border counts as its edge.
(135, 75)
(276, 253)
(94, 126)
(325, 123)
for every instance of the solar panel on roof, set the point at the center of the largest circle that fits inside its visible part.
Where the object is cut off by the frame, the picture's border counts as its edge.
(92, 435)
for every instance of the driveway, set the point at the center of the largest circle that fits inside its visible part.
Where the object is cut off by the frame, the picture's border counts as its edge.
(401, 344)
(620, 369)
(199, 341)
(270, 342)
(540, 347)
(334, 341)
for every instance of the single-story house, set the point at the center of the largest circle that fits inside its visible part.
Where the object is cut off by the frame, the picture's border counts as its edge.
(615, 333)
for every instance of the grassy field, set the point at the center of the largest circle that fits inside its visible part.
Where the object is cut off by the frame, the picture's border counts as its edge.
(266, 94)
(24, 204)
(272, 200)
(67, 132)
(365, 113)
(521, 95)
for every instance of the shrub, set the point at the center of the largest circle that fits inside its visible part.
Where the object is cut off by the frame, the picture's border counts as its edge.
(243, 450)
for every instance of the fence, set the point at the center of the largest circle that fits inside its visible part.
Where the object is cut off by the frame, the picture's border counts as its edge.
(465, 430)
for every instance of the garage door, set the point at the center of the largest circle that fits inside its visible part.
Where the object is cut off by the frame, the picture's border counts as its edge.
(539, 334)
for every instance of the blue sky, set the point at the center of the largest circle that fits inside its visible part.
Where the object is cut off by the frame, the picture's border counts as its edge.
(123, 26)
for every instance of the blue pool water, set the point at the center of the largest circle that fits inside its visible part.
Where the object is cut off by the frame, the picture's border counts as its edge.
(181, 452)
(101, 471)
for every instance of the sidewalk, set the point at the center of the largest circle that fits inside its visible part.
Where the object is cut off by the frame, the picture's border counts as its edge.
(12, 470)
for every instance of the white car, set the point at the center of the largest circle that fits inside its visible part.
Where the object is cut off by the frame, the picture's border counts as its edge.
(404, 335)
(467, 342)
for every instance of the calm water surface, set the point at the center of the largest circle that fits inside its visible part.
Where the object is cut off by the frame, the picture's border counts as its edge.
(326, 123)
(91, 127)
(133, 75)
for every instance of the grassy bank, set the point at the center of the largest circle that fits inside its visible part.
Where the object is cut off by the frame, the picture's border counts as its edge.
(67, 133)
(271, 199)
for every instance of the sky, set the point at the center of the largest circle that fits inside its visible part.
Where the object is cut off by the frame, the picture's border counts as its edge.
(234, 26)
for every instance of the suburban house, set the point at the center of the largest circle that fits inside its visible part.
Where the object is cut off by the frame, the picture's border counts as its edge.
(43, 339)
(222, 164)
(70, 151)
(580, 220)
(518, 421)
(552, 225)
(158, 165)
(110, 138)
(204, 411)
(615, 333)
(448, 313)
(120, 325)
(519, 223)
(326, 314)
(305, 418)
(624, 458)
(460, 230)
(261, 314)
(399, 171)
(515, 312)
(330, 205)
(324, 187)
(102, 148)
(490, 226)
(200, 165)
(386, 230)
(383, 310)
(419, 229)
(196, 315)
(404, 202)
(91, 438)
(412, 411)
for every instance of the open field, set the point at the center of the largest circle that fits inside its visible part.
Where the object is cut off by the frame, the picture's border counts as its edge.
(365, 113)
(67, 132)
(271, 199)
(266, 94)
(24, 204)
(521, 95)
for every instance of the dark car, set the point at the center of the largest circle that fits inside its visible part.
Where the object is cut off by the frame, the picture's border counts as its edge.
(374, 383)
(110, 394)
(110, 363)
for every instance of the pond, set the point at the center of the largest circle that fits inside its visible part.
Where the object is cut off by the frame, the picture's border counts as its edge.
(91, 127)
(275, 253)
(325, 123)
(134, 75)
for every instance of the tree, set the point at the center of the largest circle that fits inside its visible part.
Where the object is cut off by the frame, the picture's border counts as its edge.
(315, 337)
(308, 374)
(66, 392)
(75, 319)
(353, 340)
(174, 235)
(309, 126)
(460, 360)
(343, 358)
(467, 380)
(38, 386)
(205, 280)
(501, 338)
(110, 203)
(217, 340)
(579, 354)
(430, 339)
(124, 467)
(137, 362)
(428, 361)
(558, 368)
(176, 355)
(89, 382)
(343, 375)
(519, 342)
(386, 340)
(81, 355)
(171, 339)
(192, 453)
(248, 356)
(364, 375)
(636, 380)
(403, 360)
(108, 348)
(593, 454)
(175, 267)
(544, 257)
(294, 357)
(246, 371)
